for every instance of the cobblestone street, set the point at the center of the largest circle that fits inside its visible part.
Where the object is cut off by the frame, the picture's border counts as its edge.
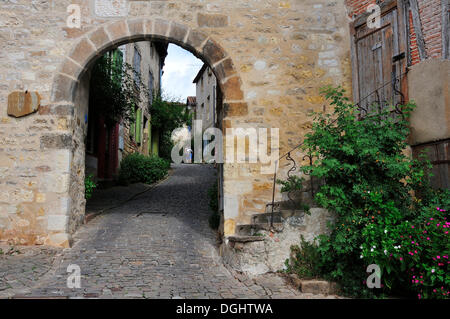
(157, 245)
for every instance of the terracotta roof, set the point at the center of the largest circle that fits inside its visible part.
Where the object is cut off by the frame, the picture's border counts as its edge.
(191, 100)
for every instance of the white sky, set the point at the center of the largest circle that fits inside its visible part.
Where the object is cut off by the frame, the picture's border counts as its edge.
(180, 69)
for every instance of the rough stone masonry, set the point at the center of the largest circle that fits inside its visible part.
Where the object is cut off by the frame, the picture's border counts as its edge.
(270, 57)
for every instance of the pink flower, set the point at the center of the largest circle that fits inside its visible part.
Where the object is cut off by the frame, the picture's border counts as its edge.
(438, 257)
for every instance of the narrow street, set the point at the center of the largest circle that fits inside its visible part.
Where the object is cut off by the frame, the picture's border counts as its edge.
(157, 245)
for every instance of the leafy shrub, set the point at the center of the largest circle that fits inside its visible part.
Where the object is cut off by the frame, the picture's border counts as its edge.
(293, 183)
(138, 168)
(304, 260)
(369, 185)
(413, 255)
(89, 186)
(214, 219)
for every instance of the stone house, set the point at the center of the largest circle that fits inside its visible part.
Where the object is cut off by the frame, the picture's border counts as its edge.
(270, 59)
(206, 97)
(106, 147)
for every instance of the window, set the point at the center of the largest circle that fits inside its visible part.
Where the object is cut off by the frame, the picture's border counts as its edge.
(137, 65)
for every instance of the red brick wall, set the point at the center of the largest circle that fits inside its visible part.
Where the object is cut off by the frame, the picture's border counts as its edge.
(431, 18)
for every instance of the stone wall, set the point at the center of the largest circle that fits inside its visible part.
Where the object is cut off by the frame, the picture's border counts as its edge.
(150, 62)
(270, 253)
(270, 59)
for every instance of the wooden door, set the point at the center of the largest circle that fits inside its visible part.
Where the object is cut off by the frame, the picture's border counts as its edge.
(378, 57)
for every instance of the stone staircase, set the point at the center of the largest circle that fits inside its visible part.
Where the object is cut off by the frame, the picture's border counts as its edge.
(285, 210)
(259, 247)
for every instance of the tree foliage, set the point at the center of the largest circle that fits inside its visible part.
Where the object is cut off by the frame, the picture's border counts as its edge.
(116, 89)
(377, 193)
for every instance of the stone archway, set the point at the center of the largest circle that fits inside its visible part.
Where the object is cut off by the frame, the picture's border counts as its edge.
(71, 84)
(105, 37)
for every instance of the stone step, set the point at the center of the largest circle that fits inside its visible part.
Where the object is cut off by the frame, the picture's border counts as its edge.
(245, 239)
(278, 216)
(252, 229)
(314, 286)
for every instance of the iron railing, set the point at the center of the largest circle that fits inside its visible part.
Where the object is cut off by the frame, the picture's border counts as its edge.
(376, 101)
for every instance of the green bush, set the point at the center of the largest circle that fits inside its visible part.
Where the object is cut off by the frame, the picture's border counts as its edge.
(304, 261)
(369, 185)
(413, 254)
(214, 219)
(89, 186)
(138, 168)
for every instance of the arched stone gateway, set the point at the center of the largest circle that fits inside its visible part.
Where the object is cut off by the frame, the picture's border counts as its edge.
(71, 84)
(94, 44)
(280, 53)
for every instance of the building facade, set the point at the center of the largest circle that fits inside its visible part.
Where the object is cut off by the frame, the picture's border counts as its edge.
(407, 59)
(107, 146)
(206, 98)
(270, 58)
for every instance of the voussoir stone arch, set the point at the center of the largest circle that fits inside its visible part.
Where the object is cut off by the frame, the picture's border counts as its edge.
(107, 36)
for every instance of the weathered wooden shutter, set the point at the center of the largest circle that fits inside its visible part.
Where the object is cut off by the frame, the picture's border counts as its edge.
(377, 61)
(139, 126)
(133, 125)
(439, 155)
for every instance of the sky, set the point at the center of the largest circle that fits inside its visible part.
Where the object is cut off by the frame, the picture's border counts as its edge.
(180, 69)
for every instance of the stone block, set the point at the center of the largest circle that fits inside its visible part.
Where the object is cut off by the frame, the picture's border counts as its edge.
(56, 141)
(232, 89)
(161, 28)
(137, 28)
(83, 52)
(316, 287)
(224, 69)
(56, 222)
(212, 20)
(235, 109)
(58, 240)
(100, 39)
(196, 38)
(23, 103)
(71, 68)
(213, 52)
(118, 31)
(178, 32)
(64, 88)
